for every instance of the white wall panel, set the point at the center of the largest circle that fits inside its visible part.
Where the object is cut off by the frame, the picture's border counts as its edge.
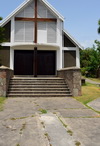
(29, 31)
(19, 31)
(51, 32)
(24, 31)
(27, 12)
(42, 32)
(42, 10)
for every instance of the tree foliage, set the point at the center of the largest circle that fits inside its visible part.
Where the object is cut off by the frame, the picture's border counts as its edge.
(90, 60)
(99, 27)
(2, 37)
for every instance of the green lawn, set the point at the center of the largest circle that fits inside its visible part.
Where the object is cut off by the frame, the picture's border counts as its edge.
(2, 99)
(89, 93)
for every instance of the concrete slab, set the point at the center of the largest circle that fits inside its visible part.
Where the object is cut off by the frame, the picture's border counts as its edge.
(25, 132)
(55, 131)
(59, 103)
(86, 130)
(76, 113)
(20, 122)
(95, 104)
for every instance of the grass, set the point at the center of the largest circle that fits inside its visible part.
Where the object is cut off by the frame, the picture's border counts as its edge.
(2, 99)
(70, 132)
(77, 143)
(43, 111)
(90, 92)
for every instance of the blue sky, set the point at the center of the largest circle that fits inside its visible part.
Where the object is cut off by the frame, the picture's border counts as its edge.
(81, 17)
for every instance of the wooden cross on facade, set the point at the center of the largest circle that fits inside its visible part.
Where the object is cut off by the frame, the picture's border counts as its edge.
(35, 19)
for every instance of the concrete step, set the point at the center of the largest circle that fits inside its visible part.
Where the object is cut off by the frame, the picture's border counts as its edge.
(38, 89)
(36, 82)
(29, 83)
(39, 92)
(38, 86)
(37, 78)
(39, 95)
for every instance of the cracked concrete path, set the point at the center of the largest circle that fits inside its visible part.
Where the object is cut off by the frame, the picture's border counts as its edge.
(95, 104)
(48, 122)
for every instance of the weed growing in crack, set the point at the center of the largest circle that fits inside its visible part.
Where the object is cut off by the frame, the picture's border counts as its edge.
(23, 127)
(43, 111)
(18, 118)
(18, 144)
(62, 122)
(43, 124)
(70, 132)
(77, 143)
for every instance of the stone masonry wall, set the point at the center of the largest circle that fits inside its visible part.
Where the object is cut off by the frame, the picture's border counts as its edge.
(5, 75)
(72, 77)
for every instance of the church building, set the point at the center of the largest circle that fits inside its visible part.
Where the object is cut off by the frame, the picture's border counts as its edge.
(36, 42)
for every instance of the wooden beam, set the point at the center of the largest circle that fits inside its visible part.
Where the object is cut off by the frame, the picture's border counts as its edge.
(47, 19)
(24, 19)
(35, 32)
(34, 19)
(35, 61)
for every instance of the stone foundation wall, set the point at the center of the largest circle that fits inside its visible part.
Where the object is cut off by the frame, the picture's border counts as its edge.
(72, 77)
(5, 75)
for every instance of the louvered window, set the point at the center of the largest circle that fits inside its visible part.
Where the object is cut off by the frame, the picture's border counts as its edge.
(42, 10)
(19, 31)
(49, 14)
(24, 31)
(51, 32)
(28, 12)
(42, 32)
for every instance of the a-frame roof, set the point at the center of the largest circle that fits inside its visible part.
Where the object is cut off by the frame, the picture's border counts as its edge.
(24, 4)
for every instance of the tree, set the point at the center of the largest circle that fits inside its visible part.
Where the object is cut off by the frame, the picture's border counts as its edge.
(99, 27)
(90, 61)
(2, 37)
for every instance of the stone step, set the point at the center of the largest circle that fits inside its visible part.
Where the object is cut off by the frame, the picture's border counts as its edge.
(36, 82)
(39, 95)
(38, 92)
(29, 83)
(38, 89)
(38, 86)
(33, 78)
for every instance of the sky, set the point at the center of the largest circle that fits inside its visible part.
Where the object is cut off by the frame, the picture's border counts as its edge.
(81, 17)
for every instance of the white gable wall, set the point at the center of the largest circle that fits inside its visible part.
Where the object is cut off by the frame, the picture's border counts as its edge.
(48, 32)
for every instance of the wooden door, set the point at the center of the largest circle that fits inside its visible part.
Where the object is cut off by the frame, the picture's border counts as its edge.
(23, 62)
(46, 62)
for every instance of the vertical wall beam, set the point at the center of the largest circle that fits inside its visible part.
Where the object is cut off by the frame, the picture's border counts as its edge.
(35, 62)
(77, 57)
(35, 32)
(12, 30)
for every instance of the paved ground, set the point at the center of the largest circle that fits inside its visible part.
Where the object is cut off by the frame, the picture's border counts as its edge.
(92, 82)
(95, 104)
(66, 122)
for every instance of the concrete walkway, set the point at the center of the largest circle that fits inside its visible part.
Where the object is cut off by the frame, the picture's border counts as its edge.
(48, 122)
(95, 104)
(92, 82)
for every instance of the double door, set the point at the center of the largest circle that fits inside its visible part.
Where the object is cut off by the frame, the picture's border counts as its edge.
(31, 62)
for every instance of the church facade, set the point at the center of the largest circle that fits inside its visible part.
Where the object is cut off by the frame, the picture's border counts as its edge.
(36, 42)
